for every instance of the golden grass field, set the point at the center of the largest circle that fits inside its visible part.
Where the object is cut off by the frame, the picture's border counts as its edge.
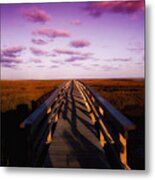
(120, 93)
(18, 92)
(127, 95)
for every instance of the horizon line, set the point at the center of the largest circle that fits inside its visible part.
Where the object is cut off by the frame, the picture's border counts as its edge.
(71, 79)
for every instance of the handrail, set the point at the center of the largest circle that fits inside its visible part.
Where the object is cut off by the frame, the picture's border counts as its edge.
(112, 126)
(40, 111)
(121, 122)
(39, 124)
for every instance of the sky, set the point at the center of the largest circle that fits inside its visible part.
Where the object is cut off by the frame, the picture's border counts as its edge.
(73, 40)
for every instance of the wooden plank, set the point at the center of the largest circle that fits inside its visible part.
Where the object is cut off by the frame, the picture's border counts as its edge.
(75, 143)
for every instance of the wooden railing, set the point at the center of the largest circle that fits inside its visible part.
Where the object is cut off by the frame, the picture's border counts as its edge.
(112, 126)
(40, 125)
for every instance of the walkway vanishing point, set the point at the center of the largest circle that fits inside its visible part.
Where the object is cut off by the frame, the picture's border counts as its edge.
(77, 128)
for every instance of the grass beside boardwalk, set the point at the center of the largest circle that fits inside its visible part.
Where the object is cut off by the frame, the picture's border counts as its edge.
(121, 93)
(14, 93)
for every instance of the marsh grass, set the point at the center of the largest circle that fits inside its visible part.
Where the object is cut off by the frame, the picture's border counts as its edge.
(14, 93)
(121, 93)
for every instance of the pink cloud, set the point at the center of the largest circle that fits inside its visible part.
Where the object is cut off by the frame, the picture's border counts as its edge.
(10, 62)
(75, 58)
(54, 66)
(80, 43)
(12, 51)
(122, 59)
(76, 22)
(51, 33)
(76, 64)
(10, 56)
(57, 61)
(136, 49)
(39, 41)
(80, 57)
(108, 68)
(38, 52)
(97, 8)
(36, 60)
(36, 15)
(6, 65)
(66, 51)
(40, 66)
(125, 59)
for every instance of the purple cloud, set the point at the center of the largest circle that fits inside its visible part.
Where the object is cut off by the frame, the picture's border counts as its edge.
(36, 60)
(96, 9)
(40, 66)
(36, 15)
(76, 64)
(9, 65)
(10, 56)
(57, 62)
(80, 43)
(76, 22)
(51, 33)
(71, 52)
(54, 66)
(86, 68)
(38, 41)
(136, 49)
(119, 59)
(122, 59)
(12, 51)
(75, 58)
(95, 64)
(10, 62)
(66, 51)
(52, 54)
(136, 46)
(108, 68)
(79, 57)
(38, 52)
(139, 63)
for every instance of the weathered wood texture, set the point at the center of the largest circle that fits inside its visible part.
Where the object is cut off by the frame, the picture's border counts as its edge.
(75, 143)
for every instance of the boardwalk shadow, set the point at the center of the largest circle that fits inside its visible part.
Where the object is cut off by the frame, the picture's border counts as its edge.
(86, 153)
(76, 105)
(12, 144)
(83, 151)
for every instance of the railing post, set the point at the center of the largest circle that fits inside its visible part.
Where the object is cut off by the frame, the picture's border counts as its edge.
(123, 151)
(102, 139)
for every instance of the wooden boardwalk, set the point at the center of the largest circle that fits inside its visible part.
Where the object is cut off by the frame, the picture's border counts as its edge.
(76, 128)
(75, 141)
